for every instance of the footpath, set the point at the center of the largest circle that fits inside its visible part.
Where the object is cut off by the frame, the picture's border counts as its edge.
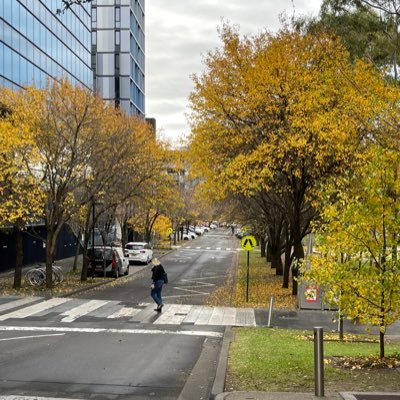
(300, 319)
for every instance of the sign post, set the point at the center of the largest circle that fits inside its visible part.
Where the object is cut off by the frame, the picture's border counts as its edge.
(248, 243)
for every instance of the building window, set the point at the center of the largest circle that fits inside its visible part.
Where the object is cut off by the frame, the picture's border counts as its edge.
(94, 38)
(117, 37)
(117, 14)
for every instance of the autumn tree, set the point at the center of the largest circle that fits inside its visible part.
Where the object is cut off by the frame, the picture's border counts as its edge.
(65, 131)
(21, 199)
(358, 263)
(275, 112)
(121, 169)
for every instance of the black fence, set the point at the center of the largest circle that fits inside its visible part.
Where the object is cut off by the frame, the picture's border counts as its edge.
(34, 247)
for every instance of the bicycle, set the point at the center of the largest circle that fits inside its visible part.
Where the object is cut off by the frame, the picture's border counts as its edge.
(37, 276)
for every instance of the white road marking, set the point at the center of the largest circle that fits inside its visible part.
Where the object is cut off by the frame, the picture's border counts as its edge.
(125, 312)
(32, 337)
(109, 330)
(14, 397)
(17, 303)
(173, 315)
(83, 309)
(26, 312)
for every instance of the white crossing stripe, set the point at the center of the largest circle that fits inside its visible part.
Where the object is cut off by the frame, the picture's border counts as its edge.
(173, 315)
(83, 309)
(27, 311)
(17, 303)
(125, 312)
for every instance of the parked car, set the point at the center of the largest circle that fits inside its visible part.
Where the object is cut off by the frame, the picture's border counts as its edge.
(187, 236)
(139, 252)
(109, 258)
(191, 234)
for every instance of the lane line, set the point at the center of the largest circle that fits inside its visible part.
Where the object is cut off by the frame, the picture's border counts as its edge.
(32, 337)
(110, 330)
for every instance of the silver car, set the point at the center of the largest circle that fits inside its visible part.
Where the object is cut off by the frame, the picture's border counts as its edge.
(141, 252)
(109, 260)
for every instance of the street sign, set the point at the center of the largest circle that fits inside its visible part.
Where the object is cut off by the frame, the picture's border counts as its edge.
(248, 243)
(169, 231)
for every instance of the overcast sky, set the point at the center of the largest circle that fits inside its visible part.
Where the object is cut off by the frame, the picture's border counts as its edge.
(180, 32)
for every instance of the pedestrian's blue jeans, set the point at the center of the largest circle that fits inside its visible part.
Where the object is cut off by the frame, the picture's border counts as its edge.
(156, 292)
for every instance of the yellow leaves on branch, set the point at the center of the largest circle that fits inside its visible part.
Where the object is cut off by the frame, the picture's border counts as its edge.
(288, 103)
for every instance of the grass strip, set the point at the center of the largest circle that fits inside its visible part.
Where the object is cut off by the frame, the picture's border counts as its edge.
(265, 359)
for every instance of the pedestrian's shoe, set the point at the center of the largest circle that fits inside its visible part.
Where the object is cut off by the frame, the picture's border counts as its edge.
(159, 307)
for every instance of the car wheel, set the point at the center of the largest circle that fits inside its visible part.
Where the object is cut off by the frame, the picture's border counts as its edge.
(116, 274)
(127, 270)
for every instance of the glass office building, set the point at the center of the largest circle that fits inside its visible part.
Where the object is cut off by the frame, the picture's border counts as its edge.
(118, 53)
(37, 44)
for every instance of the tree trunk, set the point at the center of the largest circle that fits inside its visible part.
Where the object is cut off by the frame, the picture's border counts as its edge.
(262, 245)
(288, 261)
(19, 252)
(268, 256)
(49, 259)
(86, 236)
(276, 259)
(382, 342)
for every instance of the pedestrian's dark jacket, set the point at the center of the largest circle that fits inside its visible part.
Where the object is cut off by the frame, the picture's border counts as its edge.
(157, 273)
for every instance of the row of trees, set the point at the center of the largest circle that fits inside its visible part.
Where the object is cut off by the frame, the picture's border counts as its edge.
(66, 157)
(299, 131)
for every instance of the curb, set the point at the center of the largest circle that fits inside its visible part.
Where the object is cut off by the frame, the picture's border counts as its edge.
(220, 375)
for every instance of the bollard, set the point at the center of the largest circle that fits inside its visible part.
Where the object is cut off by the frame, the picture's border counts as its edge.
(319, 361)
(271, 305)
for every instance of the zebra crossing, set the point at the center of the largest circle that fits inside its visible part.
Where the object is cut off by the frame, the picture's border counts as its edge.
(68, 310)
(193, 247)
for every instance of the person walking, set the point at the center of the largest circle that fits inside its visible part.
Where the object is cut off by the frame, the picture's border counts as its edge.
(158, 274)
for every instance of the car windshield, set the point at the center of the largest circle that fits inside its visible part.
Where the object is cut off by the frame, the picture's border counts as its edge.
(135, 246)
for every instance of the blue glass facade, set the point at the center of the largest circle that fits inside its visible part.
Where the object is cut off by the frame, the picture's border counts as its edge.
(37, 44)
(118, 53)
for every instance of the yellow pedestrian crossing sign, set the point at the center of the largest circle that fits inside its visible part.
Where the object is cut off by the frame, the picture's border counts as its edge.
(169, 231)
(248, 243)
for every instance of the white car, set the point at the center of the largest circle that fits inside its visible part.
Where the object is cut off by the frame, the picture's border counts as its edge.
(187, 236)
(139, 252)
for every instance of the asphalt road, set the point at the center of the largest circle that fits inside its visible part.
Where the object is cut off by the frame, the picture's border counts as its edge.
(102, 359)
(194, 269)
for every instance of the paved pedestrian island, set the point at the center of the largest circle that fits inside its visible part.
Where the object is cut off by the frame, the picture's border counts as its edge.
(67, 310)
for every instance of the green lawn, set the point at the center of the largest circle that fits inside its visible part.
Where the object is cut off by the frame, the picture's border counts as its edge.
(283, 360)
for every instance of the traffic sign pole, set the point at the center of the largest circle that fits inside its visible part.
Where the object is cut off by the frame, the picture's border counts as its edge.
(248, 276)
(248, 243)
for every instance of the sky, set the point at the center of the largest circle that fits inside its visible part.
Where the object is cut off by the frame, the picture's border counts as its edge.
(179, 33)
